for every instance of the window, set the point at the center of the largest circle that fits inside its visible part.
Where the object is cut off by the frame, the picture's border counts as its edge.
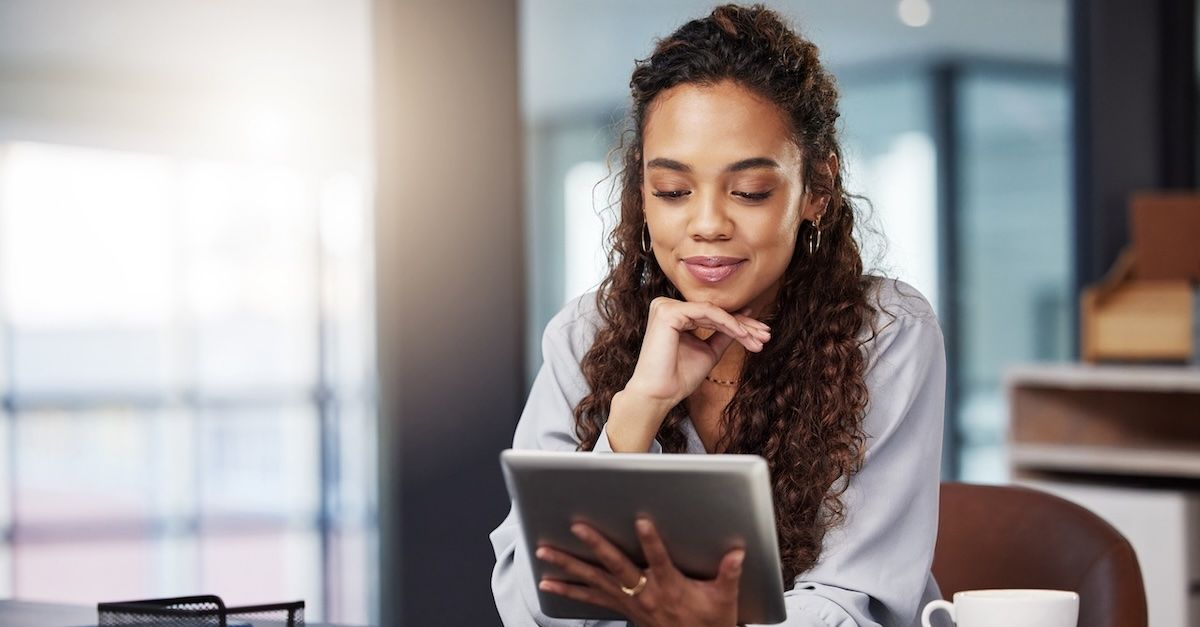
(1013, 247)
(890, 159)
(186, 357)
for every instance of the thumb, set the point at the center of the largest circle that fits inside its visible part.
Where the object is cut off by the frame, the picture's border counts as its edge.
(730, 572)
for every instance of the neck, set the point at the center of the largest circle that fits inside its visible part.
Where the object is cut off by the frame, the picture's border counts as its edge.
(763, 306)
(729, 368)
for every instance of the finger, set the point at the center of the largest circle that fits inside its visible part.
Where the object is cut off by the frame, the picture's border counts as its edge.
(578, 568)
(752, 323)
(691, 316)
(681, 316)
(752, 342)
(730, 572)
(613, 559)
(719, 343)
(722, 317)
(656, 552)
(580, 593)
(707, 315)
(749, 337)
(758, 329)
(761, 335)
(735, 330)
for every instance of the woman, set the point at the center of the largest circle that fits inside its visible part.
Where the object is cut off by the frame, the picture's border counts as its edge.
(736, 318)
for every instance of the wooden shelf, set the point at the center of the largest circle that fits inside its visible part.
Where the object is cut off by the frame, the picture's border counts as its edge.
(1105, 419)
(1112, 460)
(1106, 377)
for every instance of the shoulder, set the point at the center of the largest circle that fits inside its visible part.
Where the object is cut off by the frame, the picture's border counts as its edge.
(894, 299)
(906, 369)
(904, 320)
(574, 327)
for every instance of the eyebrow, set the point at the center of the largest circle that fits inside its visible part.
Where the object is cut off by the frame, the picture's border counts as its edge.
(744, 164)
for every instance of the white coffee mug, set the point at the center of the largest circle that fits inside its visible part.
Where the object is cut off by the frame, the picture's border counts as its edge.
(1005, 608)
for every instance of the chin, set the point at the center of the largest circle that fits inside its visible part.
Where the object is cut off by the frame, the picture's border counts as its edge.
(723, 297)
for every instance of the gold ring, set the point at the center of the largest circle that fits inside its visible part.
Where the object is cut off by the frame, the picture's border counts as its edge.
(641, 585)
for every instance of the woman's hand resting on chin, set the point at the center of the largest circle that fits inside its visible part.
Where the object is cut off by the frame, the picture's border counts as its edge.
(672, 364)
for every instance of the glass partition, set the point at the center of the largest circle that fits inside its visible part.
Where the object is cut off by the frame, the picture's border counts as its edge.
(1013, 247)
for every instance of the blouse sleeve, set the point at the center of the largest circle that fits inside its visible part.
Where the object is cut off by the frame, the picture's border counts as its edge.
(874, 568)
(547, 423)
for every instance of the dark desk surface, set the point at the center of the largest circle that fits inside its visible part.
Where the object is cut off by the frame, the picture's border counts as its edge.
(32, 614)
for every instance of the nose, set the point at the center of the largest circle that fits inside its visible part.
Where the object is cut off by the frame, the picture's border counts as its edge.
(710, 220)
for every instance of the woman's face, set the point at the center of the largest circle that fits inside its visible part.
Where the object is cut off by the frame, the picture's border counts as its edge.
(723, 193)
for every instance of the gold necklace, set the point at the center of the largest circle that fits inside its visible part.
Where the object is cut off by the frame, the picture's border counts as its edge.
(721, 381)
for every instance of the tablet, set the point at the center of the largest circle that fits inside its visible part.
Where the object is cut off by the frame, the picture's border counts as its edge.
(702, 505)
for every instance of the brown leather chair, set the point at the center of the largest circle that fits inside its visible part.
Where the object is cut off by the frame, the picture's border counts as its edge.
(1015, 537)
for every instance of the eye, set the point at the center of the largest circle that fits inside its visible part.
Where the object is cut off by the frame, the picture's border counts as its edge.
(672, 193)
(753, 195)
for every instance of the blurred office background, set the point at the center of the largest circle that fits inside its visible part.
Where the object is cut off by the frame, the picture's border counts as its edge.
(222, 222)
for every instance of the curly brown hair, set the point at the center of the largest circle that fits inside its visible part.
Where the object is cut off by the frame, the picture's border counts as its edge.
(808, 425)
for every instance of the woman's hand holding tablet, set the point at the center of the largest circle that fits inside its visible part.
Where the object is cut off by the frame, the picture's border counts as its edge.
(626, 536)
(660, 596)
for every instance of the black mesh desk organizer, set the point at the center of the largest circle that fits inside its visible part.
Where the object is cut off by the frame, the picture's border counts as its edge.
(205, 610)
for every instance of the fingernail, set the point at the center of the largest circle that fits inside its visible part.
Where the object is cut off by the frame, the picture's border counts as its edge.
(544, 585)
(579, 531)
(643, 525)
(541, 554)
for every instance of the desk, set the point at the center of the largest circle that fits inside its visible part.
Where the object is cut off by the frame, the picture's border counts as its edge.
(33, 614)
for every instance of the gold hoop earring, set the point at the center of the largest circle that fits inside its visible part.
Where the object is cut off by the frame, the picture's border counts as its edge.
(814, 236)
(647, 243)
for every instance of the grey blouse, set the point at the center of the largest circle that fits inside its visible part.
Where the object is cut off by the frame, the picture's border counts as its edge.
(874, 568)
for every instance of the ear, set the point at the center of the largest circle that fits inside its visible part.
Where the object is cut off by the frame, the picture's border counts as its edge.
(814, 204)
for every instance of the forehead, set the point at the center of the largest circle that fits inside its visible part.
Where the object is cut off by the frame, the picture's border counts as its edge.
(714, 125)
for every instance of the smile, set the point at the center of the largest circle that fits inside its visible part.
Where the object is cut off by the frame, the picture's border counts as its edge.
(713, 269)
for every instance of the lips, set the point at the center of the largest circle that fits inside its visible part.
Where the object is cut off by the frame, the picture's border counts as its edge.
(713, 269)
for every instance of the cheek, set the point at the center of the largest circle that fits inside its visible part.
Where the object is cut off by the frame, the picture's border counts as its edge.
(775, 250)
(778, 236)
(776, 257)
(787, 231)
(666, 227)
